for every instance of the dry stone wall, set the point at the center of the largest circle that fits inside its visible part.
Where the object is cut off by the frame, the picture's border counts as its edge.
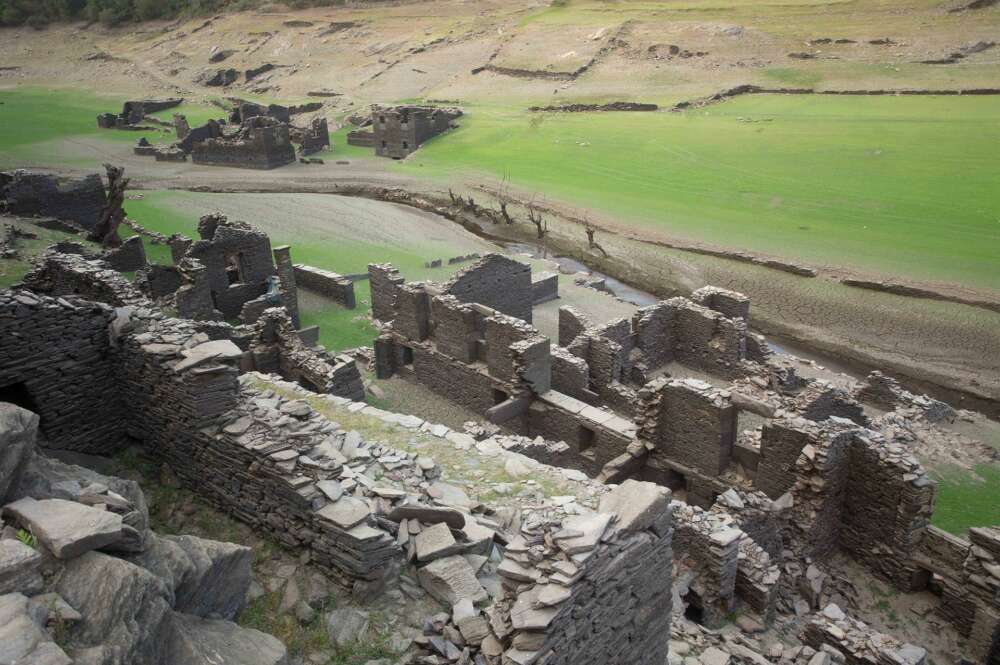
(54, 360)
(497, 282)
(336, 287)
(594, 589)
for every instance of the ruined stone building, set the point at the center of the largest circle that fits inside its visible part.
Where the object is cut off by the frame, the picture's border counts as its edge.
(32, 194)
(659, 398)
(133, 112)
(399, 130)
(261, 142)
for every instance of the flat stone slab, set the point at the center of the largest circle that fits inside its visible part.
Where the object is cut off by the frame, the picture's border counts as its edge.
(582, 532)
(435, 542)
(346, 513)
(66, 528)
(637, 504)
(450, 580)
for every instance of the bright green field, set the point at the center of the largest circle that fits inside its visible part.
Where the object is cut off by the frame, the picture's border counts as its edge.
(964, 500)
(908, 186)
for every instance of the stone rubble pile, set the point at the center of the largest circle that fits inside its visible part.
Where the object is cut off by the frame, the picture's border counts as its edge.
(590, 588)
(84, 580)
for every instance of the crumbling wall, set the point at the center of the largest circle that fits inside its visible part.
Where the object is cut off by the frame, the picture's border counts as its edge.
(595, 436)
(600, 597)
(544, 287)
(570, 375)
(78, 199)
(888, 503)
(278, 345)
(385, 281)
(731, 304)
(336, 287)
(707, 545)
(497, 282)
(455, 330)
(238, 261)
(400, 130)
(55, 360)
(705, 339)
(130, 257)
(59, 274)
(572, 323)
(781, 443)
(261, 143)
(689, 422)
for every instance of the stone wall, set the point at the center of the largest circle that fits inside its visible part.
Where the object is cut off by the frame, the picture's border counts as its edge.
(58, 274)
(572, 323)
(385, 282)
(731, 304)
(80, 200)
(261, 143)
(238, 261)
(781, 443)
(594, 589)
(55, 361)
(689, 422)
(336, 287)
(497, 282)
(544, 287)
(398, 131)
(888, 503)
(130, 257)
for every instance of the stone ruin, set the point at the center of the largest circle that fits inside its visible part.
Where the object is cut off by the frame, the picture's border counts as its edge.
(74, 199)
(261, 142)
(134, 112)
(255, 136)
(399, 130)
(685, 514)
(613, 402)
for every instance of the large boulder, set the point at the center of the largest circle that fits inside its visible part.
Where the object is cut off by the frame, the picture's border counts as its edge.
(195, 641)
(66, 528)
(23, 638)
(124, 608)
(208, 578)
(45, 477)
(18, 428)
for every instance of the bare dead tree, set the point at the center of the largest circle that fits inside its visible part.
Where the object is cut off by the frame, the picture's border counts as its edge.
(504, 198)
(106, 229)
(591, 243)
(535, 217)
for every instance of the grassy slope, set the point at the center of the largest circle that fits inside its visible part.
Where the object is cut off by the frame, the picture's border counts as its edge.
(966, 500)
(896, 185)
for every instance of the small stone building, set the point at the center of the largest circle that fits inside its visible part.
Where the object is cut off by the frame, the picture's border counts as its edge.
(399, 130)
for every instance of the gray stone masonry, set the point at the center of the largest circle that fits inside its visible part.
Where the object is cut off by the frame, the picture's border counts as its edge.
(544, 287)
(54, 361)
(689, 422)
(595, 588)
(336, 287)
(497, 282)
(286, 276)
(399, 130)
(80, 200)
(238, 261)
(571, 323)
(260, 143)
